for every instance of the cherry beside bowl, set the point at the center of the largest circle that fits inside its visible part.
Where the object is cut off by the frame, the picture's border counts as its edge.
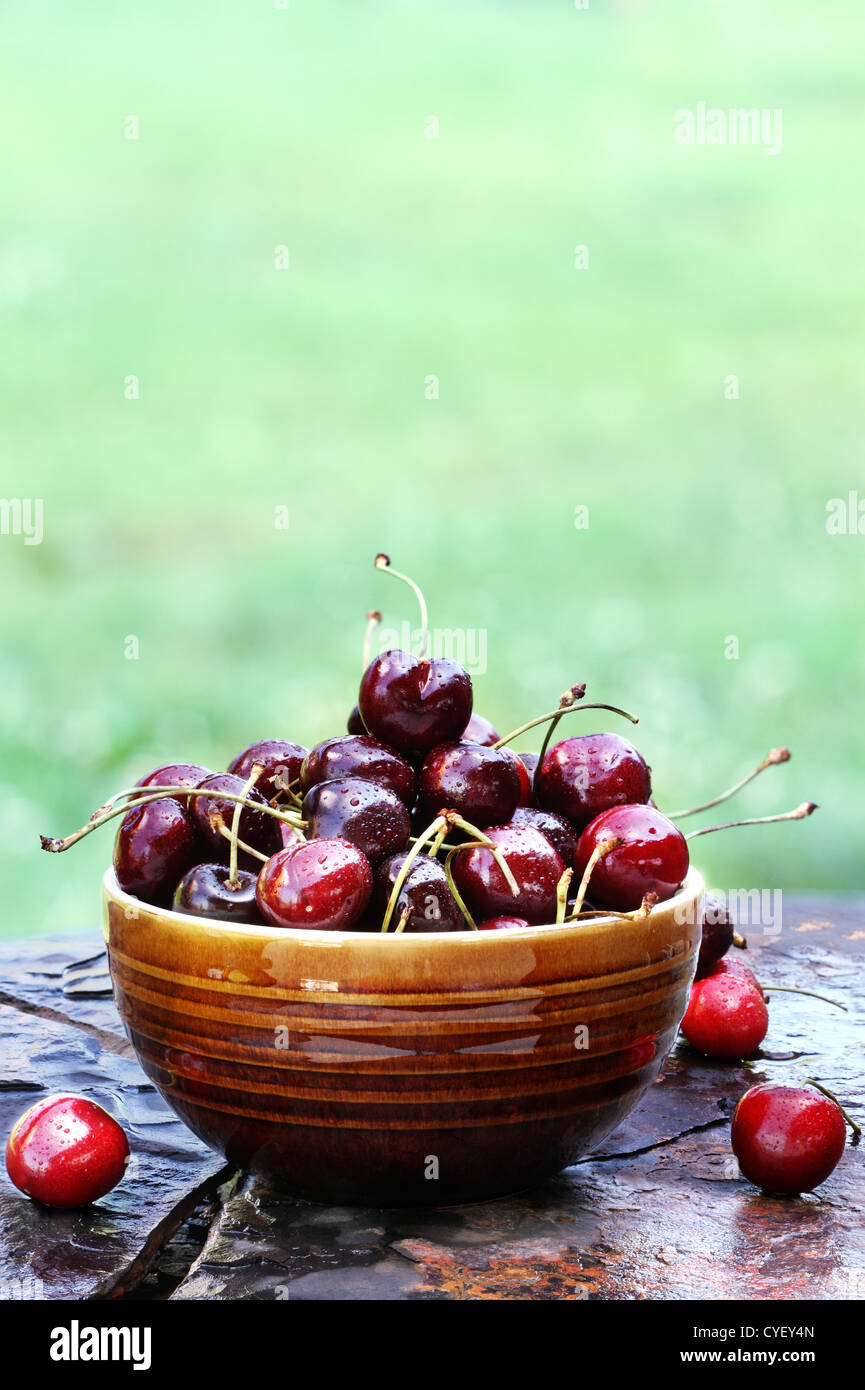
(402, 1070)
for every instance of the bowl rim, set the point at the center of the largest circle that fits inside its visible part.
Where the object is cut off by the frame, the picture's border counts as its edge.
(693, 886)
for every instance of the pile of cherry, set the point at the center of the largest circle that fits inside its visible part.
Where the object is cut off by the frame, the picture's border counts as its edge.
(421, 818)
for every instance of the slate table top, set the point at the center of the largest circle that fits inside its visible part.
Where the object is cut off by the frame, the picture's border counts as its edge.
(660, 1211)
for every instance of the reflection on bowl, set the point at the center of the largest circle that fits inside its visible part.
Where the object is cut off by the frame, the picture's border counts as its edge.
(410, 1070)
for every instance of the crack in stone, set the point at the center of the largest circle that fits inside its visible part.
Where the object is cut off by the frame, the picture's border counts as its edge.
(658, 1144)
(124, 1283)
(110, 1042)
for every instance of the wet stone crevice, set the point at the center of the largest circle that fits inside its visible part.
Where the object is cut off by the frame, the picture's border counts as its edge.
(659, 1211)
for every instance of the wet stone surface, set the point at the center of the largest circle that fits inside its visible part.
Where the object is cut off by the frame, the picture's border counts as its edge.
(660, 1211)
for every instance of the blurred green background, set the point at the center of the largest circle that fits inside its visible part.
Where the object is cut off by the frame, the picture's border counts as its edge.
(305, 388)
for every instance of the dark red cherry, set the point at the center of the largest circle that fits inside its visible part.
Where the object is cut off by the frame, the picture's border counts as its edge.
(363, 813)
(522, 772)
(175, 775)
(500, 923)
(359, 756)
(582, 776)
(652, 859)
(534, 864)
(530, 762)
(66, 1151)
(355, 724)
(281, 762)
(425, 891)
(480, 730)
(480, 783)
(413, 704)
(206, 891)
(256, 829)
(325, 884)
(560, 833)
(787, 1139)
(155, 845)
(717, 935)
(726, 1015)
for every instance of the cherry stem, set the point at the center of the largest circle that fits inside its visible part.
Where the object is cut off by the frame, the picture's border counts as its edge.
(257, 769)
(562, 895)
(857, 1129)
(805, 809)
(247, 849)
(428, 834)
(739, 941)
(775, 755)
(400, 926)
(457, 895)
(437, 842)
(373, 618)
(487, 844)
(601, 848)
(557, 714)
(57, 846)
(569, 698)
(382, 562)
(788, 989)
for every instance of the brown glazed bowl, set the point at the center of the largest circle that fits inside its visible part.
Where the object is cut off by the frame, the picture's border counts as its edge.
(402, 1070)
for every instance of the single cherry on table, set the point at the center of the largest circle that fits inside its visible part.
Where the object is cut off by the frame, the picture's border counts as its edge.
(788, 1139)
(66, 1151)
(726, 1015)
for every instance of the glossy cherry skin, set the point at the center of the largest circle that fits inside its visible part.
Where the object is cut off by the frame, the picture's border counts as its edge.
(480, 730)
(580, 777)
(359, 755)
(522, 772)
(365, 814)
(66, 1151)
(560, 833)
(281, 761)
(325, 884)
(413, 704)
(534, 864)
(256, 829)
(175, 775)
(726, 1016)
(206, 891)
(500, 923)
(787, 1139)
(355, 724)
(717, 935)
(652, 859)
(425, 891)
(480, 783)
(154, 847)
(530, 762)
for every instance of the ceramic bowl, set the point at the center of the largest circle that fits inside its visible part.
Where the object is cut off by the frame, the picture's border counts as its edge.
(402, 1070)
